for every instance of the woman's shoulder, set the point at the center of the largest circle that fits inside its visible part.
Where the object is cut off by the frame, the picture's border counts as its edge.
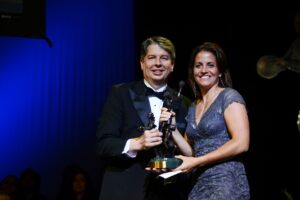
(231, 92)
(231, 95)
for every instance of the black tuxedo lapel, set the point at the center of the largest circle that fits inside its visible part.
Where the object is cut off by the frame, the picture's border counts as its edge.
(140, 101)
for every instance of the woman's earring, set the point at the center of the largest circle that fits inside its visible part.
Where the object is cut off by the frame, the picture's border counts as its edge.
(221, 80)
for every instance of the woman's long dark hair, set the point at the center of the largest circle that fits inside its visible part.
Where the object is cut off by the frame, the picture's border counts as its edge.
(222, 65)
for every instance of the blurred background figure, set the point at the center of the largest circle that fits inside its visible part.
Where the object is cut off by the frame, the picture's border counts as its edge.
(29, 186)
(4, 196)
(286, 172)
(8, 186)
(76, 185)
(269, 66)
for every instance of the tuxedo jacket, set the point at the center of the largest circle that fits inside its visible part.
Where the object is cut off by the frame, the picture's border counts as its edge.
(127, 108)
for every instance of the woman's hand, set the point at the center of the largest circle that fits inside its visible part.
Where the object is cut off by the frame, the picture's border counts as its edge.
(187, 165)
(166, 115)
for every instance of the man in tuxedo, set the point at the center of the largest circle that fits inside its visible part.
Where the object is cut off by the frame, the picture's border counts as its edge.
(123, 147)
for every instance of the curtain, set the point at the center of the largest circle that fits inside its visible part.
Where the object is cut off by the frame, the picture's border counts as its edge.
(51, 97)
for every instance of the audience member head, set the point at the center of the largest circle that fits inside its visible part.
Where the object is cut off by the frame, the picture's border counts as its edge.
(9, 186)
(76, 184)
(4, 195)
(29, 185)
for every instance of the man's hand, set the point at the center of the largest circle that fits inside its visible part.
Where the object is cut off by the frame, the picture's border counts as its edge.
(149, 139)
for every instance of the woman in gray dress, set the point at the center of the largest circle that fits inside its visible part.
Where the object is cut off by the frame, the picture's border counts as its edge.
(217, 130)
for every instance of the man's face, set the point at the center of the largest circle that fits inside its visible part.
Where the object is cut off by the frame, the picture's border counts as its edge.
(156, 66)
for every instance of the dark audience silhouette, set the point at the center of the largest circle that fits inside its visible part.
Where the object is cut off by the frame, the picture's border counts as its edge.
(76, 185)
(29, 186)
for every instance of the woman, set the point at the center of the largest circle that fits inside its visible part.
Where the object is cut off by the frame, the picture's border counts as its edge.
(217, 130)
(76, 185)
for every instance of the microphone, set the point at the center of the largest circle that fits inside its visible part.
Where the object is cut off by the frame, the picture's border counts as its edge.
(181, 85)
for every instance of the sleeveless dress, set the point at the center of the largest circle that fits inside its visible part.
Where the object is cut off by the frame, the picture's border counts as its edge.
(225, 180)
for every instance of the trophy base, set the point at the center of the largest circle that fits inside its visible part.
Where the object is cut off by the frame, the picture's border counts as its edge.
(164, 163)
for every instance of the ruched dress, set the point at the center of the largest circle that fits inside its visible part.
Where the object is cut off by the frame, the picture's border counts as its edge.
(225, 180)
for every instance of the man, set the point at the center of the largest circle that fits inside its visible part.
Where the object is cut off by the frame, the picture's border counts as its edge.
(124, 148)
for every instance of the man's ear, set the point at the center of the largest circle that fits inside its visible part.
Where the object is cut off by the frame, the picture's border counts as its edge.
(142, 65)
(172, 68)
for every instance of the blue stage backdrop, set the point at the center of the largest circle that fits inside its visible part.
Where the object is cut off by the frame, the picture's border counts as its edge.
(51, 97)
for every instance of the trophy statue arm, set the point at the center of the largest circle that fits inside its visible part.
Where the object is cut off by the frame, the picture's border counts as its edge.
(293, 65)
(291, 59)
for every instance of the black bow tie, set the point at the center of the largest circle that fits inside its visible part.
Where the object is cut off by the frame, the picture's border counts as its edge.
(151, 92)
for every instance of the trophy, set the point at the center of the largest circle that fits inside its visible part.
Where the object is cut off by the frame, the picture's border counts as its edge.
(164, 153)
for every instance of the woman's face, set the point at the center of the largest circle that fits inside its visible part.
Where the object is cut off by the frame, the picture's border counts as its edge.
(205, 70)
(79, 183)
